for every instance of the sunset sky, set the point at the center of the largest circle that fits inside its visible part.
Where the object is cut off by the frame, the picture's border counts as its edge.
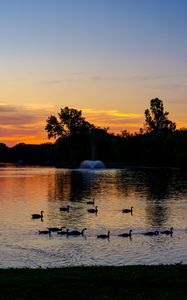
(108, 58)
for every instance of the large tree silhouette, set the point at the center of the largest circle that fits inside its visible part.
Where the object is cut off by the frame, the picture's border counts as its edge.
(76, 137)
(156, 119)
(69, 123)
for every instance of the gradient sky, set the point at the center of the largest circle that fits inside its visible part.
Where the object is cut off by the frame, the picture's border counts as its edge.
(106, 57)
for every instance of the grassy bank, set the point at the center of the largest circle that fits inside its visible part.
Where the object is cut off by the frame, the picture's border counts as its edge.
(128, 282)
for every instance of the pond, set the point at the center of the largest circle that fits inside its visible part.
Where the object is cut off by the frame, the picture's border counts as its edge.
(158, 197)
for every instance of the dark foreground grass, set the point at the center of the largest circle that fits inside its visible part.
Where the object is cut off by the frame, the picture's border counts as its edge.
(128, 282)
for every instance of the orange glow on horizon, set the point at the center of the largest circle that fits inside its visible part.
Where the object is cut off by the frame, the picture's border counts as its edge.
(11, 141)
(27, 124)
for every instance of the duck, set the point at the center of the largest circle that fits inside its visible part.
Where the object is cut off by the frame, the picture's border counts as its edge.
(127, 210)
(38, 216)
(56, 229)
(91, 202)
(93, 210)
(168, 231)
(76, 232)
(44, 232)
(156, 232)
(64, 208)
(104, 236)
(126, 234)
(63, 232)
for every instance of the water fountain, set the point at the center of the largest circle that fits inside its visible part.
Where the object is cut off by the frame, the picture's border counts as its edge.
(92, 164)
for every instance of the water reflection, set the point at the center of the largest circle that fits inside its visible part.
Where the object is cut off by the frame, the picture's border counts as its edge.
(153, 188)
(158, 183)
(160, 190)
(158, 197)
(72, 186)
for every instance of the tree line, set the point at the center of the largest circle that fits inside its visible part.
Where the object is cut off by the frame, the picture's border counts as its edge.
(158, 143)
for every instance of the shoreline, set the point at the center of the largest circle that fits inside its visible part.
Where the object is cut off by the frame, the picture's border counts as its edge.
(108, 166)
(98, 282)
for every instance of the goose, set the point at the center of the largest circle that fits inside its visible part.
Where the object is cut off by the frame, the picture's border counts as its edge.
(126, 234)
(152, 233)
(76, 232)
(127, 210)
(55, 229)
(63, 232)
(167, 231)
(91, 202)
(38, 216)
(93, 210)
(44, 232)
(104, 236)
(64, 208)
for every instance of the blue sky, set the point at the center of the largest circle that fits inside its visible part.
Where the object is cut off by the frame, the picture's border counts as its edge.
(99, 56)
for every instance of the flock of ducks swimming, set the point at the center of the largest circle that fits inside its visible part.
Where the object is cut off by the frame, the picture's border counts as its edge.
(67, 232)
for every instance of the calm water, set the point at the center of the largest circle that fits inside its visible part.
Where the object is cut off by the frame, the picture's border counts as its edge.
(159, 198)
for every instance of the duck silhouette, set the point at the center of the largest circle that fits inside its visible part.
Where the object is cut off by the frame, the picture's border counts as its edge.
(38, 216)
(127, 210)
(44, 232)
(76, 232)
(56, 229)
(126, 234)
(93, 210)
(104, 236)
(168, 231)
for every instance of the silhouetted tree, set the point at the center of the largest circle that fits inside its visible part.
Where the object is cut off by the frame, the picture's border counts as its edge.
(3, 153)
(78, 140)
(125, 134)
(156, 119)
(76, 136)
(70, 123)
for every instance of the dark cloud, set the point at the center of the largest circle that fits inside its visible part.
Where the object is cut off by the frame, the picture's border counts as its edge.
(18, 119)
(23, 124)
(12, 130)
(7, 108)
(12, 115)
